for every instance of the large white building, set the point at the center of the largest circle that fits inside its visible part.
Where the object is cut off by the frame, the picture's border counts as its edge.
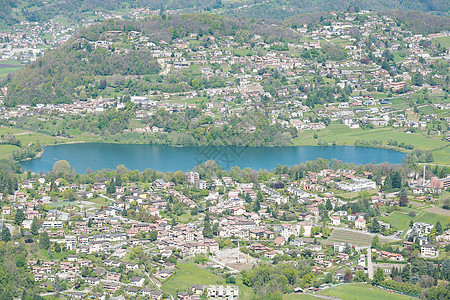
(357, 185)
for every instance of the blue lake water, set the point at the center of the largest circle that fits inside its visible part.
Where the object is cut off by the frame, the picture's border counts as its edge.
(165, 158)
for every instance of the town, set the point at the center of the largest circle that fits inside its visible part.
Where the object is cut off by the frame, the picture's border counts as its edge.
(322, 228)
(127, 233)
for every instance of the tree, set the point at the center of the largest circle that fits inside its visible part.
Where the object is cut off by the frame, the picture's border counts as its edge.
(35, 226)
(308, 279)
(257, 206)
(153, 235)
(247, 198)
(6, 234)
(19, 218)
(62, 168)
(426, 281)
(231, 280)
(69, 194)
(375, 226)
(378, 277)
(291, 274)
(403, 197)
(375, 242)
(406, 273)
(438, 227)
(215, 228)
(387, 183)
(329, 278)
(44, 241)
(446, 269)
(348, 276)
(437, 292)
(328, 205)
(207, 231)
(396, 180)
(360, 276)
(394, 272)
(111, 188)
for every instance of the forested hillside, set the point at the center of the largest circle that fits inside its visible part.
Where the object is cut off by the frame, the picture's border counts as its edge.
(40, 10)
(281, 9)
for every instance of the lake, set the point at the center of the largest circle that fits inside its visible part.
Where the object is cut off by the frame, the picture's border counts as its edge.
(166, 158)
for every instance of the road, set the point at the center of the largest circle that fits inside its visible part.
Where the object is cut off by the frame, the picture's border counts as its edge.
(369, 263)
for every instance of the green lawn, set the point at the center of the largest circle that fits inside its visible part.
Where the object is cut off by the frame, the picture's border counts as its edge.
(99, 201)
(189, 274)
(361, 291)
(187, 217)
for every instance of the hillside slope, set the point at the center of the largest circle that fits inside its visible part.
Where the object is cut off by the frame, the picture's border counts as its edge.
(118, 51)
(14, 11)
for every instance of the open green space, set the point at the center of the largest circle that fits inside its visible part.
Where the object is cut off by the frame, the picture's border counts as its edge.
(356, 194)
(245, 292)
(99, 201)
(9, 66)
(188, 275)
(442, 156)
(343, 135)
(444, 41)
(7, 150)
(401, 220)
(352, 237)
(362, 291)
(299, 297)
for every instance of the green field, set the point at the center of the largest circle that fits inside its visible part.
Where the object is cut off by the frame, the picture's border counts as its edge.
(343, 135)
(361, 291)
(444, 41)
(9, 66)
(442, 156)
(7, 150)
(188, 275)
(354, 238)
(25, 137)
